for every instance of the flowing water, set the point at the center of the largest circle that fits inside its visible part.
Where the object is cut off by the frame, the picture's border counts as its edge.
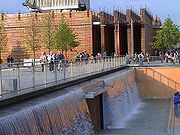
(119, 109)
(59, 115)
(152, 114)
(67, 113)
(128, 111)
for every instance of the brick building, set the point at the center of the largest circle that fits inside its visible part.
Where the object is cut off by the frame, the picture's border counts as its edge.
(96, 32)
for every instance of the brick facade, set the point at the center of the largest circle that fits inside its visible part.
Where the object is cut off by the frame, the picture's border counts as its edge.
(81, 23)
(112, 34)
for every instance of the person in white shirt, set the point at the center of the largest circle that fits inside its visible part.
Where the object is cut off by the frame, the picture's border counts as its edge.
(51, 62)
(43, 60)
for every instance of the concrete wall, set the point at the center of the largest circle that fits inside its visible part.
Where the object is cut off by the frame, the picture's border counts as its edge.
(95, 110)
(120, 81)
(158, 82)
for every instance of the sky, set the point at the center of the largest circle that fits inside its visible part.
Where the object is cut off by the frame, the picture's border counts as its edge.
(161, 8)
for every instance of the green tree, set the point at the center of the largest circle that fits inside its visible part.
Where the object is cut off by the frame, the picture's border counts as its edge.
(168, 36)
(65, 39)
(31, 35)
(3, 39)
(48, 31)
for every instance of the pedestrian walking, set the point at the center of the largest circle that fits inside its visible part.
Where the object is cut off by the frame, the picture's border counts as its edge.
(10, 60)
(60, 59)
(43, 60)
(51, 62)
(147, 57)
(141, 58)
(127, 58)
(161, 56)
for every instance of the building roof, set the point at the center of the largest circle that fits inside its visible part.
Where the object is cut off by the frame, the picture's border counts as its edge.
(43, 5)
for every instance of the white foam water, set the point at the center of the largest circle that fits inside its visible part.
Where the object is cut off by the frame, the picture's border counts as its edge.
(62, 115)
(119, 110)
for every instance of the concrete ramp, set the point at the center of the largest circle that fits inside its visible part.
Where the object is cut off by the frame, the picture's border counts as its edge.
(129, 132)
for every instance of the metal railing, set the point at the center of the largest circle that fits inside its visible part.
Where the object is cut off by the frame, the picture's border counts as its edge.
(16, 77)
(20, 76)
(171, 120)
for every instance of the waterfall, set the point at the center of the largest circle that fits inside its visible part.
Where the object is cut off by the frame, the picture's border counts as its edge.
(63, 115)
(119, 104)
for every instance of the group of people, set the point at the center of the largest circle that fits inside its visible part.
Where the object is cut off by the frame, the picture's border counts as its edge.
(58, 59)
(52, 59)
(138, 58)
(170, 56)
(84, 56)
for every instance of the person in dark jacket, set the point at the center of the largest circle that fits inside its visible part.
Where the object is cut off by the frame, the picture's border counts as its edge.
(10, 60)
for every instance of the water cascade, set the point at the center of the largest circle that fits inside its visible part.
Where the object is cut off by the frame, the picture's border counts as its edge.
(121, 102)
(62, 115)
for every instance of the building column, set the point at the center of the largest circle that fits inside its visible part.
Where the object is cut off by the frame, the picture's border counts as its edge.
(117, 39)
(103, 38)
(129, 39)
(143, 39)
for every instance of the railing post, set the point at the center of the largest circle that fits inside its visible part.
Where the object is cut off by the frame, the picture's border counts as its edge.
(1, 81)
(77, 68)
(33, 74)
(18, 78)
(123, 61)
(71, 69)
(119, 61)
(103, 69)
(95, 66)
(108, 63)
(89, 67)
(45, 74)
(64, 70)
(55, 71)
(112, 63)
(99, 64)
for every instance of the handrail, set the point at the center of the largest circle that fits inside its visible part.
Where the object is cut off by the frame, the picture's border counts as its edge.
(23, 75)
(171, 121)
